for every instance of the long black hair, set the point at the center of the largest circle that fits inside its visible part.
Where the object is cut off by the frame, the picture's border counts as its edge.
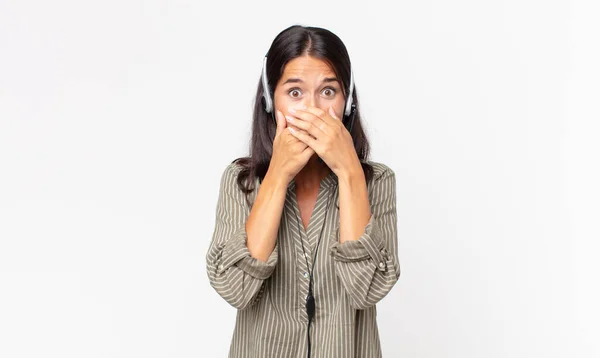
(293, 42)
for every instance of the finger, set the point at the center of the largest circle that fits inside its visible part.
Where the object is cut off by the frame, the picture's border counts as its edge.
(296, 128)
(318, 114)
(308, 124)
(302, 136)
(281, 122)
(307, 153)
(332, 114)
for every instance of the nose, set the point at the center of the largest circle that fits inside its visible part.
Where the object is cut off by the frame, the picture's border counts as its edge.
(309, 101)
(312, 101)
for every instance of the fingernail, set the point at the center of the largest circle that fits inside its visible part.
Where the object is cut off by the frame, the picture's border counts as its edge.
(291, 110)
(289, 118)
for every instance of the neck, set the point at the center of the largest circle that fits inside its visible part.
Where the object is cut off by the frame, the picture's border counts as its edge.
(313, 172)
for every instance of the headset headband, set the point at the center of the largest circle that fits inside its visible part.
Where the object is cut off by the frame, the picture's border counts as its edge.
(266, 91)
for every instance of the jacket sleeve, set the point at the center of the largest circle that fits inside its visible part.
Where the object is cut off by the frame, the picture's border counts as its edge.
(369, 267)
(232, 271)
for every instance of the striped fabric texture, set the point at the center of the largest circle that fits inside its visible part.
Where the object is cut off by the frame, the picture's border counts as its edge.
(348, 281)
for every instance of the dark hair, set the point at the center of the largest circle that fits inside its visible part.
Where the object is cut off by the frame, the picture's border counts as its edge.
(296, 41)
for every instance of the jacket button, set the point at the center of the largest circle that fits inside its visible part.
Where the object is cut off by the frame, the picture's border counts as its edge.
(381, 264)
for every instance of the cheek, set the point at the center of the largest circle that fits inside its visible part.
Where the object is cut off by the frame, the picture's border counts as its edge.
(338, 107)
(282, 102)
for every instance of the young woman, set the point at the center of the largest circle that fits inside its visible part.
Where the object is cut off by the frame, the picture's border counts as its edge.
(305, 240)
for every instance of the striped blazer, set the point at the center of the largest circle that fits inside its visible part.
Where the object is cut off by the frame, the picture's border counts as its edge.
(348, 280)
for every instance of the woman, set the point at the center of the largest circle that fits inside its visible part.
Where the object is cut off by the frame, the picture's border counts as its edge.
(305, 239)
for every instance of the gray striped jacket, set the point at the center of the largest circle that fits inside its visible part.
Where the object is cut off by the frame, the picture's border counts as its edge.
(349, 278)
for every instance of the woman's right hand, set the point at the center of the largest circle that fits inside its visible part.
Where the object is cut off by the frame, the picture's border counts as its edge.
(290, 154)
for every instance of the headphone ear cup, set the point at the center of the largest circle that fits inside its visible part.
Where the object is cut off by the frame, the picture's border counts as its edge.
(346, 122)
(349, 119)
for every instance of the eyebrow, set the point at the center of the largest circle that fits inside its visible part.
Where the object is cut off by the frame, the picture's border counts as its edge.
(298, 80)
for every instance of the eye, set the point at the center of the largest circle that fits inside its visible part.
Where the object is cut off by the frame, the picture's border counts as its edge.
(294, 92)
(329, 91)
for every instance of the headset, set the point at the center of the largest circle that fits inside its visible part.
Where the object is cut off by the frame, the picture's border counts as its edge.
(349, 108)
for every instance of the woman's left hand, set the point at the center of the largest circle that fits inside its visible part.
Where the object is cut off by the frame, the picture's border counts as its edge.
(328, 137)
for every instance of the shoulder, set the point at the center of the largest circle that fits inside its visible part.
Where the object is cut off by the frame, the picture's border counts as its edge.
(382, 187)
(233, 168)
(229, 175)
(380, 170)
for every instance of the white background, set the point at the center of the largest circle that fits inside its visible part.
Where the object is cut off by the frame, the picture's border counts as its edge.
(117, 119)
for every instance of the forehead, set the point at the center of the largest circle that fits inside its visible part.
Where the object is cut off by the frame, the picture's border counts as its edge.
(307, 66)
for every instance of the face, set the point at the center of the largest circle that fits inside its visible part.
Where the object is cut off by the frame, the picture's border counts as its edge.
(308, 81)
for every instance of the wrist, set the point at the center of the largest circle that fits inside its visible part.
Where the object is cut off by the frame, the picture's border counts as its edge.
(276, 179)
(351, 177)
(352, 173)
